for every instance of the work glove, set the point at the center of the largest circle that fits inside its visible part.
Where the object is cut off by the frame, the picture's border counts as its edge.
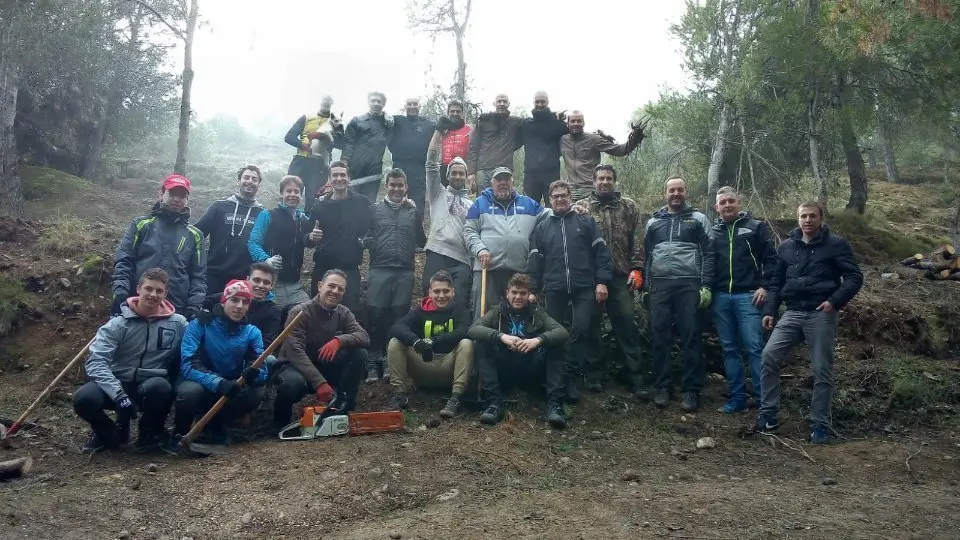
(444, 124)
(118, 300)
(228, 388)
(250, 375)
(329, 351)
(126, 409)
(324, 393)
(205, 317)
(705, 297)
(276, 262)
(635, 280)
(191, 312)
(424, 348)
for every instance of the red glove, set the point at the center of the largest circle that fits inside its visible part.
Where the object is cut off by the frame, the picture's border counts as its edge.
(329, 351)
(635, 280)
(324, 393)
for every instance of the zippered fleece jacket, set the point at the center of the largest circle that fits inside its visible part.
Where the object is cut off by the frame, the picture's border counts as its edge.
(448, 213)
(318, 326)
(744, 254)
(503, 229)
(678, 247)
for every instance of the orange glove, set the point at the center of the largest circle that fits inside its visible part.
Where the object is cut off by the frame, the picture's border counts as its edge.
(329, 351)
(635, 280)
(324, 393)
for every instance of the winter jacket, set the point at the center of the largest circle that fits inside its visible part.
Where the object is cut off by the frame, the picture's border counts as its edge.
(318, 326)
(219, 350)
(444, 327)
(448, 214)
(164, 239)
(299, 133)
(410, 139)
(455, 143)
(494, 140)
(365, 140)
(503, 230)
(278, 232)
(568, 253)
(581, 154)
(809, 274)
(396, 233)
(678, 246)
(540, 137)
(531, 322)
(228, 223)
(744, 254)
(267, 316)
(618, 218)
(344, 223)
(131, 349)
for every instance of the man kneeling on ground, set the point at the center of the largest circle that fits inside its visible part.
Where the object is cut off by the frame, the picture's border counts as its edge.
(128, 367)
(429, 346)
(217, 349)
(326, 346)
(517, 343)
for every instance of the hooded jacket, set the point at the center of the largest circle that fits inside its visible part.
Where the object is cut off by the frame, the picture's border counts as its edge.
(228, 223)
(166, 240)
(540, 137)
(219, 350)
(410, 139)
(448, 213)
(568, 253)
(744, 254)
(456, 143)
(678, 247)
(365, 140)
(618, 218)
(808, 274)
(318, 326)
(502, 229)
(344, 223)
(530, 322)
(494, 140)
(131, 348)
(278, 232)
(396, 233)
(445, 327)
(266, 315)
(581, 154)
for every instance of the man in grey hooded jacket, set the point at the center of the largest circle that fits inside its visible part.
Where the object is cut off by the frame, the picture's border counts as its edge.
(128, 367)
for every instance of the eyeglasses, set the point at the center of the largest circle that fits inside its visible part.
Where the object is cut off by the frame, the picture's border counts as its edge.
(560, 196)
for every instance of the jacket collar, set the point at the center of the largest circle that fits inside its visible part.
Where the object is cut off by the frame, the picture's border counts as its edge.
(818, 238)
(235, 199)
(664, 212)
(719, 222)
(163, 212)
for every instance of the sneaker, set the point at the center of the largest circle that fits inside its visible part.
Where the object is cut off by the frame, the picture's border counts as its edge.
(766, 423)
(491, 415)
(661, 398)
(555, 416)
(573, 393)
(386, 373)
(398, 402)
(733, 406)
(690, 401)
(451, 408)
(820, 435)
(373, 374)
(172, 445)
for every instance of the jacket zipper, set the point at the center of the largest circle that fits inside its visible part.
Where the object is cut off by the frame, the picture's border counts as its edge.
(566, 258)
(146, 347)
(730, 231)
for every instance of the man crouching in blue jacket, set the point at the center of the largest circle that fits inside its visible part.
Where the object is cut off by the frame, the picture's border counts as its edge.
(215, 353)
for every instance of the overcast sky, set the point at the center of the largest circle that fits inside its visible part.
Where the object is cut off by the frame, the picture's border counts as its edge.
(269, 62)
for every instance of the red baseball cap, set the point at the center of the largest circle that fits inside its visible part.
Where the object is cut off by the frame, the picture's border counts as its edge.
(174, 181)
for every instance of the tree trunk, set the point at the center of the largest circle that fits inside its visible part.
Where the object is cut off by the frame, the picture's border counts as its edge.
(11, 192)
(851, 149)
(889, 158)
(813, 136)
(719, 149)
(180, 166)
(461, 90)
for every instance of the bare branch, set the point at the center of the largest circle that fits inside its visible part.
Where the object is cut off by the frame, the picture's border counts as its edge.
(179, 33)
(466, 17)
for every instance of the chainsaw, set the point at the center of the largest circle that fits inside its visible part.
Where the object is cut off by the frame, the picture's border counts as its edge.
(330, 421)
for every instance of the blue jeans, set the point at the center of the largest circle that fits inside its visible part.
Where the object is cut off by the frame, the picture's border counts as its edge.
(738, 323)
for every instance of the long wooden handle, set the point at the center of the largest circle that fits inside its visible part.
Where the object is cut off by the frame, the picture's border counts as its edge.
(483, 291)
(16, 425)
(202, 423)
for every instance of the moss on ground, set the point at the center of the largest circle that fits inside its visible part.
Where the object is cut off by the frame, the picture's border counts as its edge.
(40, 183)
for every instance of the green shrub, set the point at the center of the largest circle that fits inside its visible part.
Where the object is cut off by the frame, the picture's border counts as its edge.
(12, 297)
(42, 183)
(66, 237)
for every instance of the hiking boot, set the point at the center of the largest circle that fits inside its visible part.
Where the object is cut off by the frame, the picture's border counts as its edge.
(215, 434)
(93, 444)
(492, 415)
(398, 402)
(123, 431)
(452, 408)
(172, 445)
(733, 406)
(641, 392)
(661, 398)
(594, 385)
(386, 373)
(555, 416)
(149, 442)
(373, 374)
(766, 423)
(572, 392)
(820, 435)
(690, 401)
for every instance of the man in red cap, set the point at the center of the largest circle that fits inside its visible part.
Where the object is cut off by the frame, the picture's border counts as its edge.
(164, 239)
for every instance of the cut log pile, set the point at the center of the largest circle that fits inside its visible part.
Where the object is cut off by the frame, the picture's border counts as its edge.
(941, 263)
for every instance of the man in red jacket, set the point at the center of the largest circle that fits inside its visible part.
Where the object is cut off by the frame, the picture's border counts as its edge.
(456, 141)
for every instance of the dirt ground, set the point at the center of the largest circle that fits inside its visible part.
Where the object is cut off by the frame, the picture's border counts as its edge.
(624, 469)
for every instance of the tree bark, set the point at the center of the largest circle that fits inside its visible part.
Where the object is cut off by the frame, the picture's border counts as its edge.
(719, 149)
(459, 27)
(889, 158)
(11, 192)
(813, 136)
(851, 149)
(180, 166)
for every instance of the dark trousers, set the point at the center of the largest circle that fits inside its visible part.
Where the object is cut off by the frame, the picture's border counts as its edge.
(460, 272)
(344, 374)
(675, 303)
(536, 184)
(193, 401)
(501, 369)
(381, 319)
(153, 396)
(581, 351)
(351, 298)
(416, 182)
(313, 172)
(619, 307)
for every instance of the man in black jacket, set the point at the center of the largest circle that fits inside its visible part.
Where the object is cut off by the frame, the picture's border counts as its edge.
(540, 137)
(228, 223)
(745, 260)
(395, 234)
(570, 263)
(429, 347)
(495, 137)
(408, 145)
(816, 276)
(365, 140)
(344, 217)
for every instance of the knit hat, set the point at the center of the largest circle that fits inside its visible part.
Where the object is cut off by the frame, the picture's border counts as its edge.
(236, 287)
(456, 161)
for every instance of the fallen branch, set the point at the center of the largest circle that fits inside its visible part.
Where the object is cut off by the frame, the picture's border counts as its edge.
(797, 448)
(15, 468)
(502, 457)
(907, 461)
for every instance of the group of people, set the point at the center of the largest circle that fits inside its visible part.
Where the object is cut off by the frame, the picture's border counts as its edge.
(189, 322)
